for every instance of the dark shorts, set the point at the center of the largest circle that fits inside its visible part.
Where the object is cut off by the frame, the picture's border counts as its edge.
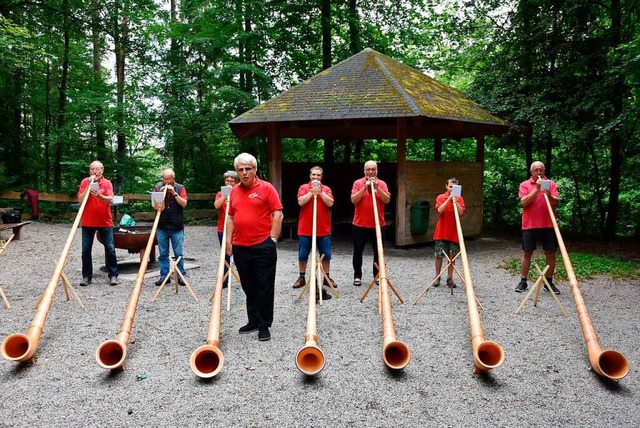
(323, 244)
(450, 248)
(545, 235)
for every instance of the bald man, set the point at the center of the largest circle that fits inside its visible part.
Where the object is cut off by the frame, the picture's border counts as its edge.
(96, 218)
(171, 224)
(364, 226)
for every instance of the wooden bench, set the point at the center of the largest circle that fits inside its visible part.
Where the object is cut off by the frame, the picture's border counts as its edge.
(16, 228)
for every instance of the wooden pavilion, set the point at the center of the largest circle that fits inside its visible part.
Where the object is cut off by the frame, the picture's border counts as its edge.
(371, 96)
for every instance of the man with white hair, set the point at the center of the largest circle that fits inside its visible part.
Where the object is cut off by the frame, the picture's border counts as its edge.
(254, 220)
(537, 224)
(171, 224)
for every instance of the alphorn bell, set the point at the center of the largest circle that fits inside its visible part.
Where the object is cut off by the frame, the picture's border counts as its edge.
(207, 360)
(22, 347)
(609, 363)
(396, 354)
(310, 359)
(111, 353)
(487, 355)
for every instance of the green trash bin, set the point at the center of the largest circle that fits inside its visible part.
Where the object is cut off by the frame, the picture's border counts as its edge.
(419, 218)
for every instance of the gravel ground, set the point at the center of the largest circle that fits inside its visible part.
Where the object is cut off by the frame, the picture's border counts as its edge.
(544, 380)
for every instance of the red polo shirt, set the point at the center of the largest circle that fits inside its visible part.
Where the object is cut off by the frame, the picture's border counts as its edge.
(97, 213)
(251, 209)
(363, 214)
(323, 214)
(536, 214)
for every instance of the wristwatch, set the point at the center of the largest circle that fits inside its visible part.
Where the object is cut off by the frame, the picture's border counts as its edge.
(275, 240)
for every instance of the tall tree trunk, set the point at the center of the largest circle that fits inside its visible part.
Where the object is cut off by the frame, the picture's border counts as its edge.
(48, 120)
(177, 137)
(97, 77)
(248, 54)
(62, 100)
(354, 28)
(122, 30)
(617, 94)
(326, 63)
(14, 166)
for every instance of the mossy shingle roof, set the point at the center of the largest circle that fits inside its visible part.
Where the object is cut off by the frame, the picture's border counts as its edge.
(368, 85)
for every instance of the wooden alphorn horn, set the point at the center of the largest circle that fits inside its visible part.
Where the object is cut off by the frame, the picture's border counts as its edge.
(22, 347)
(609, 363)
(487, 355)
(396, 354)
(207, 360)
(310, 359)
(111, 353)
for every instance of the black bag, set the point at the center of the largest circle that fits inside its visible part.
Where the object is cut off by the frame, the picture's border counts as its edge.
(11, 216)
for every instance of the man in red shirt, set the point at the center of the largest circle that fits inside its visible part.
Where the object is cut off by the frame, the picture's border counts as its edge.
(324, 202)
(364, 226)
(220, 203)
(446, 233)
(537, 224)
(97, 218)
(254, 221)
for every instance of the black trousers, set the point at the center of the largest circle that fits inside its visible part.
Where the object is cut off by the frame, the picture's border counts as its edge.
(257, 269)
(360, 237)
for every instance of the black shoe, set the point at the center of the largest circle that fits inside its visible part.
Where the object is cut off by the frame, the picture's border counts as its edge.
(325, 295)
(553, 288)
(325, 282)
(159, 282)
(263, 334)
(450, 283)
(181, 281)
(522, 286)
(113, 280)
(437, 283)
(225, 284)
(85, 281)
(249, 328)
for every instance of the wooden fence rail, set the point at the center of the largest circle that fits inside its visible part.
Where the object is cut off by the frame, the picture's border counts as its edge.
(127, 197)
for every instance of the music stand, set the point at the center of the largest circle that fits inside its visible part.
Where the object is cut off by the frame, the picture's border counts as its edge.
(173, 270)
(537, 286)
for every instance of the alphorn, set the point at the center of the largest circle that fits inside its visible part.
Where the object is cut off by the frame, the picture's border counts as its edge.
(207, 360)
(609, 363)
(22, 347)
(396, 354)
(112, 353)
(487, 355)
(310, 359)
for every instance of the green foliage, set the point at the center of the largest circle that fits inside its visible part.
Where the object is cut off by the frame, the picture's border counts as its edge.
(585, 266)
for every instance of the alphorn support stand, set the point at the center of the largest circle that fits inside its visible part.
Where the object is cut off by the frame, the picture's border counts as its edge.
(5, 243)
(3, 247)
(537, 286)
(326, 278)
(230, 272)
(450, 261)
(376, 281)
(173, 270)
(66, 286)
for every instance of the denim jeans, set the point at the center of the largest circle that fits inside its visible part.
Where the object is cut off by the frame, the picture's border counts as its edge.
(176, 237)
(106, 235)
